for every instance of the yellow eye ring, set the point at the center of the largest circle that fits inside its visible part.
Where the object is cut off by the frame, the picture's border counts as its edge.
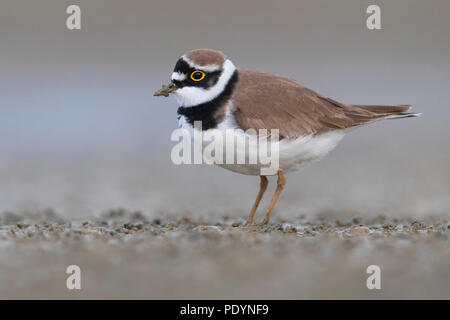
(198, 79)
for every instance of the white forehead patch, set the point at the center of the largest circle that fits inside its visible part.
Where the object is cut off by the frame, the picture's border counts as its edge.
(178, 76)
(210, 68)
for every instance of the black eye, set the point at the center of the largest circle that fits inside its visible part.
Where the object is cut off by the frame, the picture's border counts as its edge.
(197, 75)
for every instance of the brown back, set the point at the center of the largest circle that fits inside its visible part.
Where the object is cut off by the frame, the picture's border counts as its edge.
(266, 101)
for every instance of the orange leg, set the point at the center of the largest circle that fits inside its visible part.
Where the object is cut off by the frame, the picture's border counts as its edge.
(281, 182)
(262, 188)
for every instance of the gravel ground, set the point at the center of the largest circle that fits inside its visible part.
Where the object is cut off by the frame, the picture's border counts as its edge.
(123, 255)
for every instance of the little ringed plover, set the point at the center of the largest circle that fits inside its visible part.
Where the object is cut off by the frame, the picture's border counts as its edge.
(209, 88)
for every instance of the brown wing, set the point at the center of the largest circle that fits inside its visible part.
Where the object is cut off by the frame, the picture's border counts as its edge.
(265, 101)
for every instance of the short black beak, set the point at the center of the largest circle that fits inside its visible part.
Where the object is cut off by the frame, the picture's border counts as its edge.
(165, 90)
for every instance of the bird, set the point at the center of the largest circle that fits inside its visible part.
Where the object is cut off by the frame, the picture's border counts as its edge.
(209, 88)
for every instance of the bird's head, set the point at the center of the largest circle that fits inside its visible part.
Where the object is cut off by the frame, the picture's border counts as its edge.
(199, 76)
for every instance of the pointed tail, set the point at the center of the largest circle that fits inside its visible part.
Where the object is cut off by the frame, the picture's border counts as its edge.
(390, 112)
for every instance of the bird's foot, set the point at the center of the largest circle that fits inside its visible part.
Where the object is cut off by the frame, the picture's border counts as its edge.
(249, 223)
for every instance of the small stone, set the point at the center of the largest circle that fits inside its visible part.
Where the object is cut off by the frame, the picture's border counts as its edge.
(340, 223)
(291, 229)
(139, 226)
(357, 220)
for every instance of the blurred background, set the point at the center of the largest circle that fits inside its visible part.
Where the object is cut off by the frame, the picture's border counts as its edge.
(81, 133)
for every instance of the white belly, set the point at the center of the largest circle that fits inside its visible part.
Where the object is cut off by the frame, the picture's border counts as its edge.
(293, 153)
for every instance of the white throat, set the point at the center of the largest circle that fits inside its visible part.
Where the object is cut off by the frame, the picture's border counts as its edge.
(192, 96)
